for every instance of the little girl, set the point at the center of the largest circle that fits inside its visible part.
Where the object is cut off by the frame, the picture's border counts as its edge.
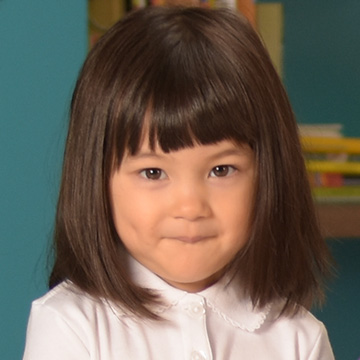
(185, 226)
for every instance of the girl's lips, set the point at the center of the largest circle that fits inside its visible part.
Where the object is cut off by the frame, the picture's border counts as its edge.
(190, 239)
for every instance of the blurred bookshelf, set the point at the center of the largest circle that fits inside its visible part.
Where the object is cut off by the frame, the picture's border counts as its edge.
(333, 164)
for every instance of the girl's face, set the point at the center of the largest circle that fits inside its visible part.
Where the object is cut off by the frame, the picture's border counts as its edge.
(185, 214)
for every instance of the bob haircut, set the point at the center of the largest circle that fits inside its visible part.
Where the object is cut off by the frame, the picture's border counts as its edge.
(205, 76)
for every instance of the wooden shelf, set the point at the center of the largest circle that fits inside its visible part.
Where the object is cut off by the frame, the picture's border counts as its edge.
(339, 220)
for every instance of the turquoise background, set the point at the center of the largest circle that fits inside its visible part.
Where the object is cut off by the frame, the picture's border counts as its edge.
(341, 314)
(321, 61)
(42, 46)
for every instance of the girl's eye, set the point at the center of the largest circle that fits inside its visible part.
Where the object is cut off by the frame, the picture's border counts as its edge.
(153, 174)
(222, 170)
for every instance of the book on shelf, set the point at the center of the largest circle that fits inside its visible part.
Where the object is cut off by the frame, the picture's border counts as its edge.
(318, 179)
(326, 166)
(342, 194)
(321, 130)
(102, 15)
(330, 145)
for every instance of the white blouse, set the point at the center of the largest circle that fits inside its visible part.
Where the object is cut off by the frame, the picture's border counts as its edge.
(217, 323)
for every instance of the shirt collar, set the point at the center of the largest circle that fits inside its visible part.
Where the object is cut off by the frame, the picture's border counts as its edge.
(225, 298)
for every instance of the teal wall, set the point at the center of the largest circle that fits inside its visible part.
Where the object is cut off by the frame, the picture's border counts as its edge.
(341, 314)
(321, 61)
(42, 45)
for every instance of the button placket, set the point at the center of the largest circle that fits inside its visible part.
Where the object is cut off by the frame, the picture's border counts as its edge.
(197, 342)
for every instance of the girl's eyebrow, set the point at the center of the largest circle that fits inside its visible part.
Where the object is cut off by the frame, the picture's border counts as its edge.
(243, 151)
(145, 155)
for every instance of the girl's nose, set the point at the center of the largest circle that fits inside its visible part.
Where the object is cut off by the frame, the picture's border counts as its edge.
(191, 202)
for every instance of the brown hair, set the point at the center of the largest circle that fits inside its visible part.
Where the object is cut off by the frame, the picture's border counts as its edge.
(206, 77)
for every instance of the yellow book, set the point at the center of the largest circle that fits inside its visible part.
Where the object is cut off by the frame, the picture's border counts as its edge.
(331, 145)
(347, 194)
(347, 167)
(102, 15)
(270, 25)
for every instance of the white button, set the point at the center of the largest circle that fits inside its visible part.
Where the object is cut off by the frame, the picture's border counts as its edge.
(196, 309)
(197, 355)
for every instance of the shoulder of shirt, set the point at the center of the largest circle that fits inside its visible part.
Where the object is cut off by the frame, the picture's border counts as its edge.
(67, 299)
(65, 292)
(303, 321)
